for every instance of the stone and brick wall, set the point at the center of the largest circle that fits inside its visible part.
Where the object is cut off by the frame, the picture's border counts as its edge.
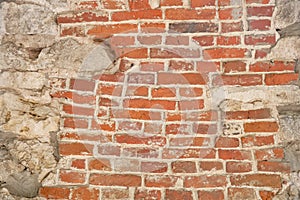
(169, 99)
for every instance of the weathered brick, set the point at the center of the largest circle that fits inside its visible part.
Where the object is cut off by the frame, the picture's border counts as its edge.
(178, 194)
(203, 181)
(241, 193)
(257, 180)
(193, 27)
(238, 167)
(72, 177)
(115, 180)
(84, 193)
(55, 192)
(184, 167)
(259, 25)
(211, 195)
(187, 14)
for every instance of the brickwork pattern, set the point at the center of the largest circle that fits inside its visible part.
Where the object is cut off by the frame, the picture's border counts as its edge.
(151, 130)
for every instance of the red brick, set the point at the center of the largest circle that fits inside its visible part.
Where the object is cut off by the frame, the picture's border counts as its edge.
(55, 192)
(241, 193)
(238, 167)
(191, 105)
(77, 31)
(145, 115)
(281, 79)
(250, 141)
(76, 110)
(248, 114)
(82, 17)
(234, 66)
(152, 66)
(177, 40)
(243, 80)
(266, 195)
(85, 137)
(103, 125)
(268, 66)
(259, 25)
(270, 166)
(261, 127)
(175, 53)
(187, 14)
(72, 177)
(260, 39)
(184, 167)
(141, 152)
(210, 165)
(82, 85)
(116, 77)
(202, 3)
(171, 3)
(85, 194)
(211, 195)
(137, 91)
(66, 149)
(204, 40)
(144, 103)
(206, 129)
(139, 5)
(163, 92)
(262, 53)
(234, 154)
(153, 128)
(143, 194)
(150, 40)
(180, 66)
(190, 27)
(230, 13)
(218, 53)
(204, 181)
(228, 40)
(112, 90)
(141, 78)
(75, 123)
(189, 141)
(269, 154)
(78, 163)
(191, 92)
(265, 11)
(130, 125)
(226, 142)
(178, 194)
(113, 4)
(122, 40)
(105, 31)
(154, 167)
(150, 140)
(136, 15)
(149, 27)
(257, 180)
(109, 149)
(180, 78)
(115, 180)
(227, 27)
(129, 52)
(100, 164)
(161, 181)
(115, 193)
(206, 67)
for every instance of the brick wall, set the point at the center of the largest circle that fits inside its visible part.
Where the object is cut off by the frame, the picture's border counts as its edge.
(160, 126)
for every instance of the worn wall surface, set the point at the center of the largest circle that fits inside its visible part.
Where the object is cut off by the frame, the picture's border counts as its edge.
(149, 99)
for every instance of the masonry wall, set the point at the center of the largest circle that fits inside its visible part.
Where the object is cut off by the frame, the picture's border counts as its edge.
(148, 99)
